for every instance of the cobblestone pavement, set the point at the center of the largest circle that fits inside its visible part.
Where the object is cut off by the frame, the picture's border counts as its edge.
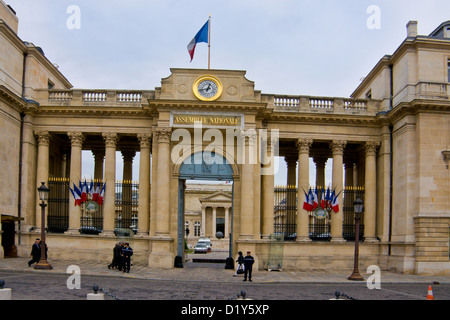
(201, 281)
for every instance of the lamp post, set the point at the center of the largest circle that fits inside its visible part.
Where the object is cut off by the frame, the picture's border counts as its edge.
(358, 207)
(43, 196)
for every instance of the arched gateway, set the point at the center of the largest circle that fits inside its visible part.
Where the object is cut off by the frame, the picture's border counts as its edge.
(200, 166)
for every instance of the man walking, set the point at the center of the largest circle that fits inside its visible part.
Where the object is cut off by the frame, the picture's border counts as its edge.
(35, 252)
(248, 263)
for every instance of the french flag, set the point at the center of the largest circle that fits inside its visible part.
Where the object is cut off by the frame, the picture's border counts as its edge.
(76, 195)
(201, 36)
(101, 195)
(96, 193)
(84, 191)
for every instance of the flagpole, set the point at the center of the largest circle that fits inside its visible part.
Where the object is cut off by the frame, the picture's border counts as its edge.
(209, 42)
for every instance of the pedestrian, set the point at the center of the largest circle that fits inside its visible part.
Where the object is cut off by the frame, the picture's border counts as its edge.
(248, 263)
(127, 252)
(240, 261)
(35, 252)
(117, 258)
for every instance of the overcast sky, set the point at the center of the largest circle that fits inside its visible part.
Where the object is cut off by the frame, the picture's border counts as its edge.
(317, 48)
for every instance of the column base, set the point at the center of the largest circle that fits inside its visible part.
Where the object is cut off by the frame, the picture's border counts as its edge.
(72, 231)
(303, 239)
(337, 239)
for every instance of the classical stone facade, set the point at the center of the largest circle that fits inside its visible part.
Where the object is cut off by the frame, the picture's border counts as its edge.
(389, 140)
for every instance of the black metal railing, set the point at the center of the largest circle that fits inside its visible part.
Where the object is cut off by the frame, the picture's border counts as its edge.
(348, 226)
(91, 218)
(319, 225)
(285, 212)
(58, 205)
(127, 202)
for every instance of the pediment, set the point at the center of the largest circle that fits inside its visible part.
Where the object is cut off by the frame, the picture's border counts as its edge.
(216, 197)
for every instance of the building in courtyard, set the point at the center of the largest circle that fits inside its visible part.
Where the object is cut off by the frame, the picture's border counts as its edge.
(389, 144)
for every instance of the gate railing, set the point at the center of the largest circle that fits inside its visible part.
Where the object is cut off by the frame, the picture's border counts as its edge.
(285, 213)
(91, 218)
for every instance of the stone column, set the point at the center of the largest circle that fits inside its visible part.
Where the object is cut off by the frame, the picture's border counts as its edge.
(246, 228)
(162, 183)
(144, 185)
(76, 140)
(349, 168)
(268, 186)
(43, 139)
(203, 229)
(214, 222)
(227, 221)
(303, 146)
(109, 210)
(291, 163)
(99, 157)
(337, 147)
(370, 192)
(320, 170)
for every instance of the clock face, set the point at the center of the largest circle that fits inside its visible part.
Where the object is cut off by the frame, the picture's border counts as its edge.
(207, 88)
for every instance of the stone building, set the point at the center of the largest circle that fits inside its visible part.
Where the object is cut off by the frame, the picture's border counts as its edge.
(389, 143)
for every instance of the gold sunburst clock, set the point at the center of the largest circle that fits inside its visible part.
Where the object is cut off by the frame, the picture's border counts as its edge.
(207, 88)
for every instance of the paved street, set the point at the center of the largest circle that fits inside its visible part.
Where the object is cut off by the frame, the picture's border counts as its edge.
(207, 281)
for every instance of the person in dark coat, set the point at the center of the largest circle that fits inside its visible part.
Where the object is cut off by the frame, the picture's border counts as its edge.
(248, 263)
(127, 252)
(240, 261)
(117, 257)
(35, 252)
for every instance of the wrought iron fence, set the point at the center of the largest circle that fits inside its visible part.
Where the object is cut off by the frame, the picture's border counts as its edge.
(58, 205)
(127, 202)
(91, 218)
(319, 226)
(348, 227)
(285, 212)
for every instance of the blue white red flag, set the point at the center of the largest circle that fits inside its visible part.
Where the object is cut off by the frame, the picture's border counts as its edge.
(201, 36)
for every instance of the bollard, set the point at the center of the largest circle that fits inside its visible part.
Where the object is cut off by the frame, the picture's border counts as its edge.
(5, 293)
(95, 295)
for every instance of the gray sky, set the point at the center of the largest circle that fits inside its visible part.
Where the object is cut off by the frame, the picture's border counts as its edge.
(317, 48)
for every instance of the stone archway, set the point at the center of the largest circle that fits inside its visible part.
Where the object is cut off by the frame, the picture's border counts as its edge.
(200, 166)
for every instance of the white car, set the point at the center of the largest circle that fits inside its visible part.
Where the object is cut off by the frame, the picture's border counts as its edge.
(201, 248)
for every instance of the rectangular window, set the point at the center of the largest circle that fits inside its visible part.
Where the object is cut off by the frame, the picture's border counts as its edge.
(448, 70)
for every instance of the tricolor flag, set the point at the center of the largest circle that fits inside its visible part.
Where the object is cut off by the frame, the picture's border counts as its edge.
(322, 201)
(96, 193)
(91, 189)
(101, 195)
(309, 201)
(201, 36)
(76, 195)
(316, 200)
(335, 203)
(83, 191)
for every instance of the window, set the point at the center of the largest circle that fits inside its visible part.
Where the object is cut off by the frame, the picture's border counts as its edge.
(448, 70)
(51, 85)
(197, 229)
(369, 94)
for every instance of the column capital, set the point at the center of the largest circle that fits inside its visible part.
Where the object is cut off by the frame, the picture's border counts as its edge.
(337, 146)
(43, 138)
(303, 145)
(110, 138)
(76, 138)
(371, 147)
(145, 140)
(163, 134)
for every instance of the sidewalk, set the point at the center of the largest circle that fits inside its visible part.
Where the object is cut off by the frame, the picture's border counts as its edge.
(207, 272)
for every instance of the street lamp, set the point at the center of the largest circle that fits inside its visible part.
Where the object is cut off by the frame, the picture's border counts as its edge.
(358, 208)
(43, 196)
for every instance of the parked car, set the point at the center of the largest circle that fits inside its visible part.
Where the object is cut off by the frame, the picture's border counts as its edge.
(206, 241)
(200, 247)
